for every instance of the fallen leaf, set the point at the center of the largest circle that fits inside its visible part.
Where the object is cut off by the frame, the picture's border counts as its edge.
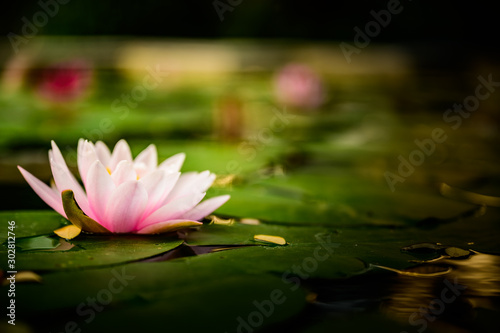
(68, 232)
(270, 239)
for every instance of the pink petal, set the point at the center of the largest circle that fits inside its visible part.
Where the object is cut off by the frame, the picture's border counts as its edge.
(124, 172)
(158, 184)
(47, 194)
(103, 152)
(155, 228)
(86, 156)
(205, 208)
(147, 160)
(173, 209)
(126, 206)
(120, 152)
(99, 188)
(173, 163)
(65, 180)
(190, 182)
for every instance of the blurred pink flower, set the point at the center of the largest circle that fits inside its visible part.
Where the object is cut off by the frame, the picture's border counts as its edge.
(64, 82)
(126, 195)
(298, 86)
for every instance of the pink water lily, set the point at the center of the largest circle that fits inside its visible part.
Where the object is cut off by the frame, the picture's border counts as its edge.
(125, 195)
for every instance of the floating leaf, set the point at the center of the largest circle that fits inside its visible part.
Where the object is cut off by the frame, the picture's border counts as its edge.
(28, 276)
(37, 243)
(68, 232)
(270, 239)
(217, 220)
(456, 252)
(250, 221)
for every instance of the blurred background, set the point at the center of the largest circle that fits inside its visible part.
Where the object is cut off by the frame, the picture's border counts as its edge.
(351, 83)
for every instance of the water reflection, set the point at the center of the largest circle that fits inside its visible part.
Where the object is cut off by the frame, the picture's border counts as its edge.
(443, 294)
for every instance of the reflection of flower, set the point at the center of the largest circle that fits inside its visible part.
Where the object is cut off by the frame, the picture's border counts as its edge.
(125, 195)
(298, 86)
(63, 82)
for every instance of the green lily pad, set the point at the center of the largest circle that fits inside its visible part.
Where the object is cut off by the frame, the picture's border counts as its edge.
(31, 223)
(92, 251)
(88, 250)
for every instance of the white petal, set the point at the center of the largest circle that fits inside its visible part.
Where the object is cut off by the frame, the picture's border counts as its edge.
(158, 184)
(86, 156)
(173, 163)
(120, 152)
(147, 160)
(65, 180)
(103, 152)
(205, 208)
(99, 188)
(191, 182)
(126, 206)
(172, 210)
(124, 172)
(204, 182)
(47, 194)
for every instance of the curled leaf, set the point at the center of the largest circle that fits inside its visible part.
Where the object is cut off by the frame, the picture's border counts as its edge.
(471, 197)
(217, 220)
(76, 216)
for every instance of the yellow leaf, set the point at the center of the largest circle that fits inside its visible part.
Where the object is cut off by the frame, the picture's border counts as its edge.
(218, 220)
(68, 232)
(250, 221)
(22, 277)
(270, 239)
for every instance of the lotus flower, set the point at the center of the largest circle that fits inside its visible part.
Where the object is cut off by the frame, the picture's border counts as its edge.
(123, 195)
(296, 85)
(64, 82)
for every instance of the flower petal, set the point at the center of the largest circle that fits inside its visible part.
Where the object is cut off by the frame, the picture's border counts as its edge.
(158, 184)
(86, 156)
(99, 188)
(65, 180)
(47, 194)
(173, 210)
(126, 206)
(124, 172)
(173, 163)
(168, 226)
(205, 208)
(120, 152)
(191, 182)
(76, 216)
(146, 161)
(103, 152)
